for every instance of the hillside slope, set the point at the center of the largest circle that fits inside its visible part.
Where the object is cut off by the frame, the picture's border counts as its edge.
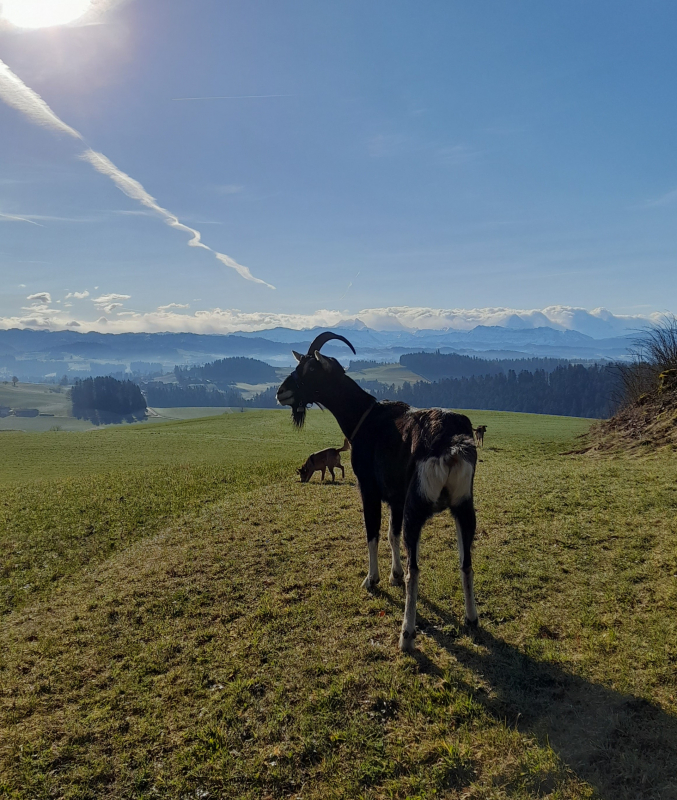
(645, 425)
(182, 618)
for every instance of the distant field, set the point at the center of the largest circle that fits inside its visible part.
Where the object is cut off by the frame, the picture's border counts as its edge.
(183, 619)
(191, 412)
(46, 400)
(208, 436)
(387, 373)
(225, 439)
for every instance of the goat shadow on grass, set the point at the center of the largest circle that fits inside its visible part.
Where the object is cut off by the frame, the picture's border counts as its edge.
(623, 746)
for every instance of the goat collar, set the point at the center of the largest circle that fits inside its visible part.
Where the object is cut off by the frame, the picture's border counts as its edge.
(362, 419)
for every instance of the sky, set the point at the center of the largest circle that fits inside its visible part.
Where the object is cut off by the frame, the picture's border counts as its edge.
(354, 156)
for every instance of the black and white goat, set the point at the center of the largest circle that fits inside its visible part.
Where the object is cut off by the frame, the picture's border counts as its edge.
(420, 462)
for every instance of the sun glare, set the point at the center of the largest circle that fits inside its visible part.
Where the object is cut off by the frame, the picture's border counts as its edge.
(42, 13)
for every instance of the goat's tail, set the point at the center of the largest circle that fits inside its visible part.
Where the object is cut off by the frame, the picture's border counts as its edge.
(346, 445)
(462, 446)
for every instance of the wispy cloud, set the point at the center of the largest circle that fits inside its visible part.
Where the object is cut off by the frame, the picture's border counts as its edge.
(77, 295)
(16, 94)
(234, 97)
(229, 188)
(110, 302)
(40, 297)
(456, 155)
(385, 145)
(173, 305)
(664, 200)
(17, 218)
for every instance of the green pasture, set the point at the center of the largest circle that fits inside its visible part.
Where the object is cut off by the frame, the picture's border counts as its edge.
(183, 619)
(186, 412)
(387, 373)
(48, 399)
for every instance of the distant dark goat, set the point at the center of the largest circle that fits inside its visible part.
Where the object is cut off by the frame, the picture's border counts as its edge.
(420, 462)
(480, 430)
(328, 459)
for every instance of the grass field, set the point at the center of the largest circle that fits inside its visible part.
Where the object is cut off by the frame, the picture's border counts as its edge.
(183, 619)
(46, 400)
(387, 373)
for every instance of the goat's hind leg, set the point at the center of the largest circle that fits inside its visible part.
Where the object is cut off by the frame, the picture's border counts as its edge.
(464, 516)
(371, 506)
(416, 512)
(394, 535)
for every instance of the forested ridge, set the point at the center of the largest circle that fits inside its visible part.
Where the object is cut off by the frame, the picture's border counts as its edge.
(170, 395)
(573, 391)
(554, 387)
(436, 366)
(226, 371)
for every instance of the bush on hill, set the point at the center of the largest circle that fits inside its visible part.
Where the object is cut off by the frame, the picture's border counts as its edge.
(647, 416)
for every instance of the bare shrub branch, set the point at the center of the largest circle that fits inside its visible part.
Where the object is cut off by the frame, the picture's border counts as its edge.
(654, 351)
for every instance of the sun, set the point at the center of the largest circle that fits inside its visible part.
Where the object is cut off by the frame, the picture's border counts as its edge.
(42, 13)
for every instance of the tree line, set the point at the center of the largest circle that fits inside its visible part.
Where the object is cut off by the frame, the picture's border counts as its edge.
(106, 399)
(573, 391)
(170, 395)
(436, 366)
(226, 371)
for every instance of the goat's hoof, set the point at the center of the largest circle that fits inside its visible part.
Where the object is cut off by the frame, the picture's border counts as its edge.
(407, 641)
(370, 582)
(473, 624)
(397, 580)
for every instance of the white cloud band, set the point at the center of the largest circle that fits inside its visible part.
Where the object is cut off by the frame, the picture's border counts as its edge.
(598, 323)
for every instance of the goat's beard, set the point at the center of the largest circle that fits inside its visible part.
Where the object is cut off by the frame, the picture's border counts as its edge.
(298, 415)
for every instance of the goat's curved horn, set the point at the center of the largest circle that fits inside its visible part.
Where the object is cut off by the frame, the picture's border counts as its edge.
(323, 338)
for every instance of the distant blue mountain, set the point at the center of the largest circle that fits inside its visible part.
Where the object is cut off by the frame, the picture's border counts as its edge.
(31, 354)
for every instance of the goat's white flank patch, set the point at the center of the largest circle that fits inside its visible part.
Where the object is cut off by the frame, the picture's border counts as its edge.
(454, 473)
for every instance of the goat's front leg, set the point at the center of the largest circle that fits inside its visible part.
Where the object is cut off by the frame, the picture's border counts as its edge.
(394, 534)
(464, 515)
(371, 504)
(416, 512)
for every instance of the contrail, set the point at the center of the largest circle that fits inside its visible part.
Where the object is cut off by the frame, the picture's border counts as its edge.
(233, 97)
(132, 188)
(16, 218)
(16, 94)
(349, 287)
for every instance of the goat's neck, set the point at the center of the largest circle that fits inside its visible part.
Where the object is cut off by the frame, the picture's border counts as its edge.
(348, 403)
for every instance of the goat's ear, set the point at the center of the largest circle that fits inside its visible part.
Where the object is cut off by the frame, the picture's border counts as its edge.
(326, 363)
(296, 355)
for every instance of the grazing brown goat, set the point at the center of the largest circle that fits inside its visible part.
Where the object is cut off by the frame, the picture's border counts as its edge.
(479, 434)
(323, 460)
